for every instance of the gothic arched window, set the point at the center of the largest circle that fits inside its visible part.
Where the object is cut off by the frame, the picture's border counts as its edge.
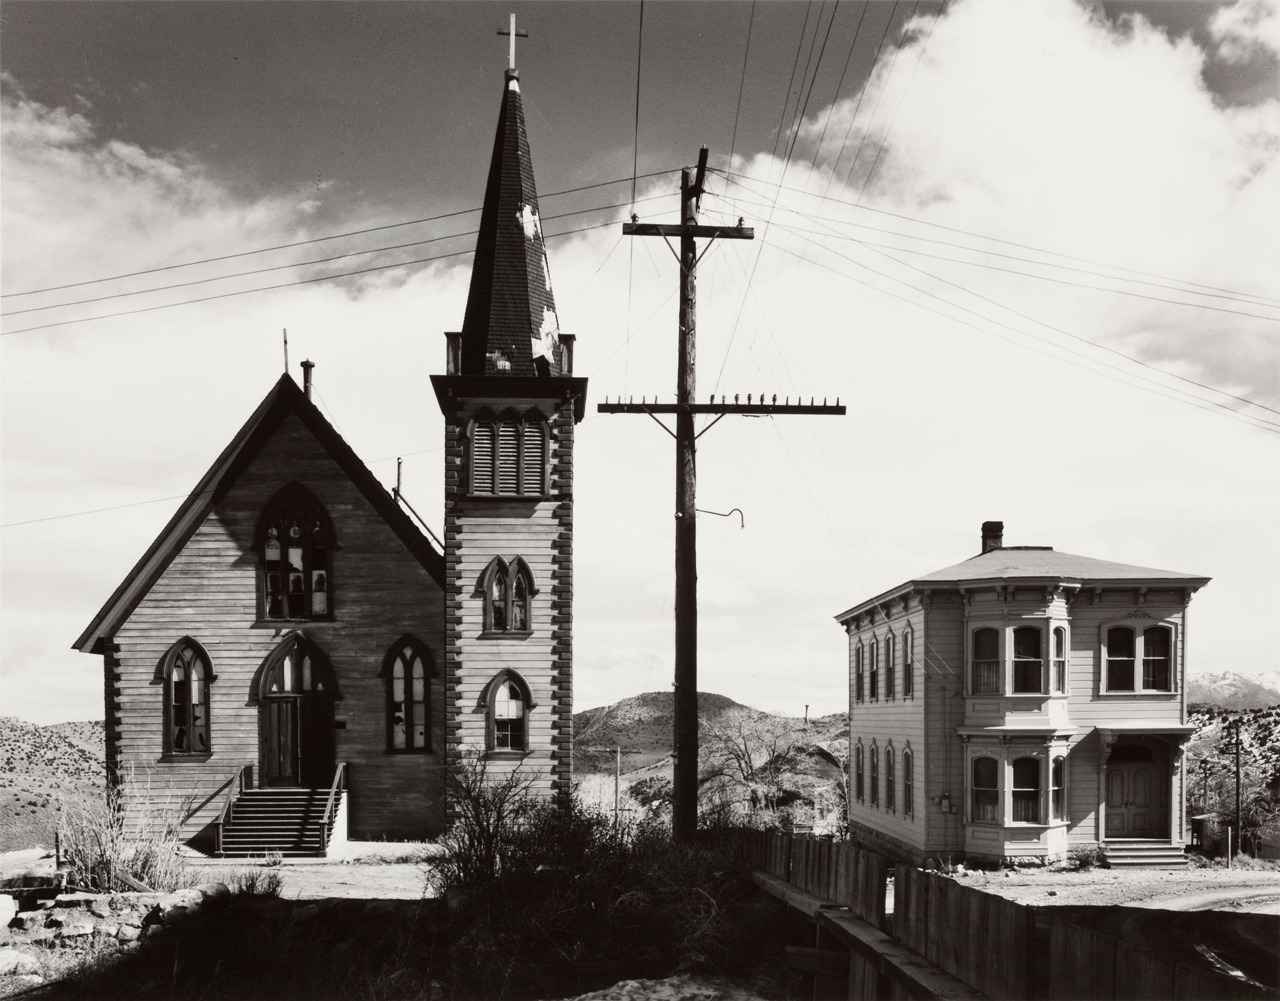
(295, 542)
(187, 674)
(507, 703)
(509, 454)
(507, 590)
(408, 670)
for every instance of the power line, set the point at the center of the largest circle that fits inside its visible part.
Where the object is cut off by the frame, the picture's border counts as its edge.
(733, 143)
(884, 140)
(303, 264)
(272, 288)
(320, 239)
(97, 510)
(635, 149)
(1185, 397)
(874, 62)
(995, 239)
(1026, 260)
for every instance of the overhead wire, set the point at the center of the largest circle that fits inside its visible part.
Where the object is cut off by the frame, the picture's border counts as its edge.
(995, 239)
(322, 239)
(884, 139)
(733, 143)
(272, 288)
(303, 264)
(635, 149)
(1185, 396)
(893, 61)
(814, 219)
(1178, 284)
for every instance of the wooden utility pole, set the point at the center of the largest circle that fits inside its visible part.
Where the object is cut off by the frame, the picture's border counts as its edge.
(684, 818)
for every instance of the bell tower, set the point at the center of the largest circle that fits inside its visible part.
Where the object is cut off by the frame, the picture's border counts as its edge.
(511, 405)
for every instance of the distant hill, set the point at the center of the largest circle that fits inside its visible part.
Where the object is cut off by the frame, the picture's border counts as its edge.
(1230, 690)
(642, 726)
(41, 768)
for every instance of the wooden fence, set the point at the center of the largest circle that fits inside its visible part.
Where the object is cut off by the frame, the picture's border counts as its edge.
(836, 871)
(1004, 950)
(982, 939)
(1088, 965)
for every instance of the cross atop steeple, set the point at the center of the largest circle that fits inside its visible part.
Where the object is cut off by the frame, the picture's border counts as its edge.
(515, 33)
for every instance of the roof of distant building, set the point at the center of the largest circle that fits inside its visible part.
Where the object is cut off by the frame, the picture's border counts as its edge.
(1033, 563)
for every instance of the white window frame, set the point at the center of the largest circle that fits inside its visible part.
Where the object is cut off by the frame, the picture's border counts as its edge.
(1139, 628)
(1045, 624)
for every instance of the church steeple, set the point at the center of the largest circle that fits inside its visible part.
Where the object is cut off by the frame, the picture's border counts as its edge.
(510, 326)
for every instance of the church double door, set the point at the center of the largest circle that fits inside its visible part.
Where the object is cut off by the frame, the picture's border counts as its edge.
(297, 741)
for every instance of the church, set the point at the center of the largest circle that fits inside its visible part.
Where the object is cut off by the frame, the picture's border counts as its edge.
(293, 662)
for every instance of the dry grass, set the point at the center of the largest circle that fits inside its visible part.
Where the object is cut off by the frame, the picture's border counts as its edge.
(99, 850)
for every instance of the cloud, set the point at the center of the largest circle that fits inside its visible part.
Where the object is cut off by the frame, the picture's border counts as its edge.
(1037, 124)
(1246, 29)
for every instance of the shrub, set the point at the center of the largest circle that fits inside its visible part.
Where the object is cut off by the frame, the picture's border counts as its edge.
(489, 810)
(552, 900)
(99, 853)
(1085, 857)
(256, 882)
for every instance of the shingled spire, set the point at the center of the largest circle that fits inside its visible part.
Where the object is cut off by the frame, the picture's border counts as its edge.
(510, 327)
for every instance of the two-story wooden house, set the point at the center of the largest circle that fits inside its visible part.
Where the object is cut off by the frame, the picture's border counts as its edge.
(293, 659)
(1019, 704)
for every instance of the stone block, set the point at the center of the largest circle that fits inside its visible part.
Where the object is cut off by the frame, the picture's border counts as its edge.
(76, 929)
(8, 908)
(76, 899)
(28, 920)
(128, 933)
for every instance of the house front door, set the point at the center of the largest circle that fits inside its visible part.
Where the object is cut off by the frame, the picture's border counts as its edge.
(1133, 793)
(297, 741)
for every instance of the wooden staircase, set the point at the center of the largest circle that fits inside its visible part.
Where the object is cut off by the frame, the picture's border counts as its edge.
(290, 822)
(1132, 854)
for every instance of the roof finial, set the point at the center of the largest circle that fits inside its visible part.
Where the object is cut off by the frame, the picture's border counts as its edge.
(515, 33)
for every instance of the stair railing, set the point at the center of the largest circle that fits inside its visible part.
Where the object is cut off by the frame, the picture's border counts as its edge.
(234, 789)
(336, 786)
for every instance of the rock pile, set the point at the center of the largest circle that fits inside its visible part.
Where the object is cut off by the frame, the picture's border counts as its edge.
(106, 922)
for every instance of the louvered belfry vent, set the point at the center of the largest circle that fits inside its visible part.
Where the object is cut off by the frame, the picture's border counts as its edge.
(510, 326)
(509, 455)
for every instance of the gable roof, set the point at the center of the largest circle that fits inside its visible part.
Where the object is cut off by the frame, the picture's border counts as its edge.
(1033, 563)
(285, 399)
(510, 308)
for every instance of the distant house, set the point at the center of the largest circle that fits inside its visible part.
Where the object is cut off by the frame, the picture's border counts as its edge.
(1019, 704)
(292, 659)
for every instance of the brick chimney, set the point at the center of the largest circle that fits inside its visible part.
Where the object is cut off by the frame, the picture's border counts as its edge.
(992, 535)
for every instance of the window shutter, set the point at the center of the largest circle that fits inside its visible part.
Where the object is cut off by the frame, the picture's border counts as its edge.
(508, 458)
(534, 459)
(482, 459)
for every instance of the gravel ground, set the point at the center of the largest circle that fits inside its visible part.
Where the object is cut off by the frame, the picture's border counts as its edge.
(1236, 889)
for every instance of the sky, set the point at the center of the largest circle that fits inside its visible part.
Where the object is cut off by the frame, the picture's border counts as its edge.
(1032, 247)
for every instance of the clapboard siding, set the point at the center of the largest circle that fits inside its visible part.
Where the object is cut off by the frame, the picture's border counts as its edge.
(539, 531)
(897, 723)
(944, 657)
(380, 592)
(942, 617)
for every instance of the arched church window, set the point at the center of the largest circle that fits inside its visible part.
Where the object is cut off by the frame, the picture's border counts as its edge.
(295, 546)
(507, 707)
(187, 674)
(408, 670)
(507, 591)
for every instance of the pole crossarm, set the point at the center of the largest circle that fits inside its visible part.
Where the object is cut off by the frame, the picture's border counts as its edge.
(676, 229)
(684, 771)
(757, 409)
